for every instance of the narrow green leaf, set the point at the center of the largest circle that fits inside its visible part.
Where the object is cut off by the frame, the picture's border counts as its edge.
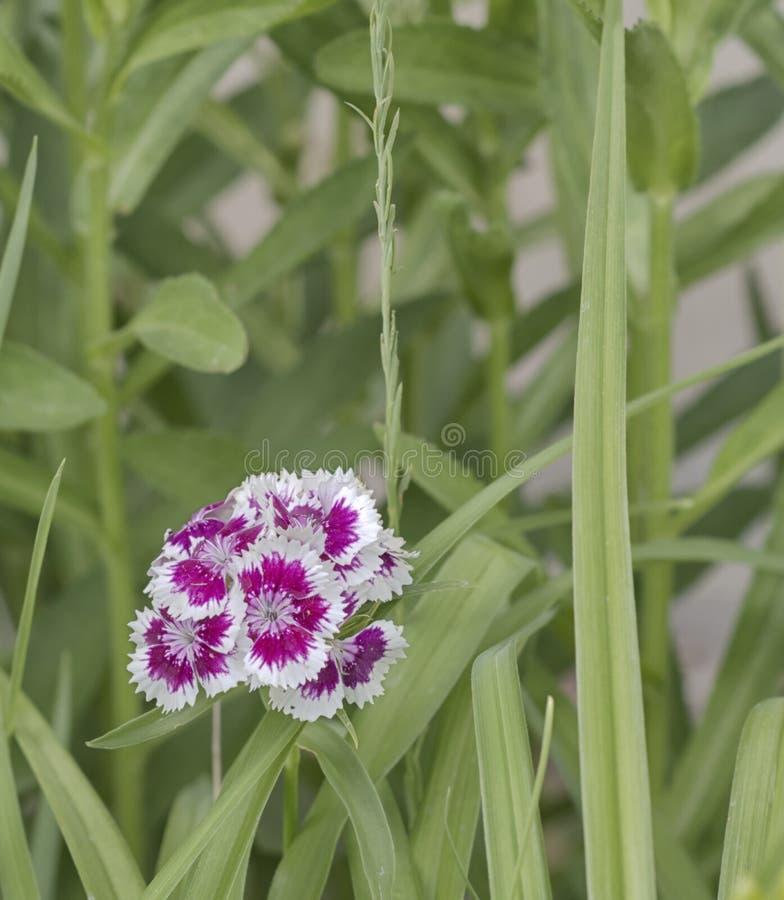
(755, 825)
(507, 778)
(760, 435)
(704, 549)
(24, 82)
(749, 670)
(46, 841)
(451, 797)
(28, 605)
(439, 62)
(154, 724)
(12, 255)
(23, 486)
(442, 538)
(161, 129)
(764, 33)
(308, 223)
(614, 774)
(734, 118)
(37, 394)
(190, 806)
(185, 321)
(263, 756)
(729, 227)
(104, 862)
(388, 728)
(17, 878)
(349, 779)
(406, 886)
(222, 866)
(176, 27)
(570, 68)
(662, 128)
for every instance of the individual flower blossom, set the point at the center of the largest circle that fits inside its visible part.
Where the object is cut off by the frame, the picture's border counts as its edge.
(354, 671)
(173, 656)
(390, 570)
(292, 604)
(189, 577)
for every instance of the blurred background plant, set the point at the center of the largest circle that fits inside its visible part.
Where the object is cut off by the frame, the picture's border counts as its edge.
(199, 281)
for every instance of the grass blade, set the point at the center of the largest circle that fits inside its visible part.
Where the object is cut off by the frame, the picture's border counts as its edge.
(507, 778)
(614, 774)
(28, 606)
(12, 255)
(349, 779)
(755, 826)
(17, 878)
(104, 862)
(45, 841)
(264, 753)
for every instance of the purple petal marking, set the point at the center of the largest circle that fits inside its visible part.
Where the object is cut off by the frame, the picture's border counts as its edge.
(163, 665)
(340, 524)
(361, 653)
(202, 583)
(320, 696)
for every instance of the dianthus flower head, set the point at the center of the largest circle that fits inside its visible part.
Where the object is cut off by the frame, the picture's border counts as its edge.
(267, 587)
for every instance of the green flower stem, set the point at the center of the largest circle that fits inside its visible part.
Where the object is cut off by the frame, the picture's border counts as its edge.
(652, 442)
(497, 364)
(291, 798)
(104, 446)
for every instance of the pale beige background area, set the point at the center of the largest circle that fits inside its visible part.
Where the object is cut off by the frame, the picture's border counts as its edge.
(711, 322)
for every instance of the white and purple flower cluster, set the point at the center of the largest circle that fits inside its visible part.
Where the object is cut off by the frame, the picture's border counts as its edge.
(268, 587)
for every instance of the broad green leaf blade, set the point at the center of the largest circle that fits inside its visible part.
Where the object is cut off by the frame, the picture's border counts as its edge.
(186, 322)
(450, 801)
(104, 862)
(309, 222)
(28, 605)
(507, 778)
(614, 774)
(749, 670)
(176, 27)
(24, 82)
(440, 62)
(349, 779)
(174, 110)
(17, 878)
(262, 757)
(734, 118)
(37, 394)
(45, 840)
(155, 724)
(729, 227)
(388, 728)
(12, 255)
(661, 125)
(187, 464)
(755, 825)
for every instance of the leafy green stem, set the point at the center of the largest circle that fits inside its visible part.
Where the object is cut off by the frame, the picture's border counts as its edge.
(97, 322)
(291, 798)
(652, 440)
(497, 364)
